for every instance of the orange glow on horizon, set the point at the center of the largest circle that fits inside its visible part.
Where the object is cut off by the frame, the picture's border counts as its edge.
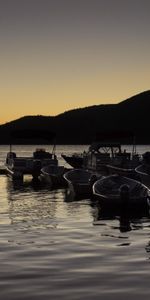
(55, 58)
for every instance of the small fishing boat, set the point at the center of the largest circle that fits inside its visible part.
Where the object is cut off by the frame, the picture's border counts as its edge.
(119, 190)
(80, 181)
(143, 171)
(53, 175)
(127, 172)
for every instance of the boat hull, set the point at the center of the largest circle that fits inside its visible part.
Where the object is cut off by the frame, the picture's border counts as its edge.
(74, 161)
(81, 189)
(143, 174)
(14, 174)
(127, 172)
(129, 203)
(80, 181)
(116, 190)
(53, 176)
(16, 167)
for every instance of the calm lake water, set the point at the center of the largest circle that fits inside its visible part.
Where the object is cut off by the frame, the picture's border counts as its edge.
(52, 248)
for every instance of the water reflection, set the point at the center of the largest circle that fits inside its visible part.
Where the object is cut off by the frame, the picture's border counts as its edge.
(28, 182)
(147, 248)
(32, 204)
(36, 205)
(71, 196)
(128, 219)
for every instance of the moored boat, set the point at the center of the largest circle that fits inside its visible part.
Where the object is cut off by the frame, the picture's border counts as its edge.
(119, 190)
(109, 158)
(80, 181)
(17, 166)
(127, 172)
(124, 164)
(53, 175)
(100, 155)
(143, 171)
(75, 160)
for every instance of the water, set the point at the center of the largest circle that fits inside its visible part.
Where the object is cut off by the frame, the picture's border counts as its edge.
(52, 248)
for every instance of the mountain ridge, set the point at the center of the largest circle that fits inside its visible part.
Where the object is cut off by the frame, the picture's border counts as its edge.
(82, 125)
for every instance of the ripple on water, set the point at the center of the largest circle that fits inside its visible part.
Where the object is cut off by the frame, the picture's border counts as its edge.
(51, 248)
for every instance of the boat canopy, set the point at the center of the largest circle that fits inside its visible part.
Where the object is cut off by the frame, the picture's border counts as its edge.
(105, 147)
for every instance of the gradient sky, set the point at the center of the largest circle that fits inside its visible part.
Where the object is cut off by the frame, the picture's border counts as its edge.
(56, 55)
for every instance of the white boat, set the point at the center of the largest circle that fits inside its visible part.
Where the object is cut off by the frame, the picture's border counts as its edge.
(102, 157)
(80, 181)
(110, 158)
(53, 175)
(17, 166)
(119, 190)
(99, 155)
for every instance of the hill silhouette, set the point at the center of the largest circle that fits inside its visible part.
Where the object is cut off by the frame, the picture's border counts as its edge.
(83, 125)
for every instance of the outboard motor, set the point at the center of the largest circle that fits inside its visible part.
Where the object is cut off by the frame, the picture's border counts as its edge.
(93, 178)
(10, 155)
(124, 193)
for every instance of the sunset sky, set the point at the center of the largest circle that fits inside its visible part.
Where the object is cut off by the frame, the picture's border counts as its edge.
(56, 55)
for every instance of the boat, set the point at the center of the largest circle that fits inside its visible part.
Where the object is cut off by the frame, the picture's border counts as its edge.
(143, 169)
(75, 160)
(53, 175)
(80, 181)
(127, 172)
(17, 166)
(100, 155)
(119, 190)
(124, 164)
(109, 156)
